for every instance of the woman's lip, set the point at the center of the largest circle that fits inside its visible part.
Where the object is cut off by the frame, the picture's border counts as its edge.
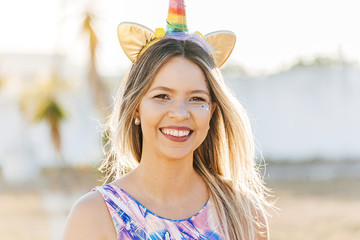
(177, 139)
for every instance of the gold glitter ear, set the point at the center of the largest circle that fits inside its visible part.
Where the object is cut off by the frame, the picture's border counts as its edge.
(133, 38)
(223, 43)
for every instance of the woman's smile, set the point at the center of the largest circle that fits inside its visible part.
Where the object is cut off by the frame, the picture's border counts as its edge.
(177, 134)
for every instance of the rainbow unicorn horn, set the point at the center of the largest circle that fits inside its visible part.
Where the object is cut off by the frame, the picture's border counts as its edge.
(176, 21)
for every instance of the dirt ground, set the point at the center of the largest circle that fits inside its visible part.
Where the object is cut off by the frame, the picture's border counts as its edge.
(316, 210)
(309, 210)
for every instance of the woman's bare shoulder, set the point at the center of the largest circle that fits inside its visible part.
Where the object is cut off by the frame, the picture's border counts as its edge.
(89, 218)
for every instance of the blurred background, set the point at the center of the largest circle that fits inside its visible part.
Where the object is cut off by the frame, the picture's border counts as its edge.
(295, 67)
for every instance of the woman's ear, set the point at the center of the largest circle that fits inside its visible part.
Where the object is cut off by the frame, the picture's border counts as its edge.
(136, 114)
(213, 106)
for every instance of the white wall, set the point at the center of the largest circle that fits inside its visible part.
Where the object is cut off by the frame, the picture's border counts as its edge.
(305, 113)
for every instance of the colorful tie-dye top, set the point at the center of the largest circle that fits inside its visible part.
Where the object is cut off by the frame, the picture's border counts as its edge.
(133, 221)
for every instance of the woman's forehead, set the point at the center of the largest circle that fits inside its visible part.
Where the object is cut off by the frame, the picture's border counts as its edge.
(180, 73)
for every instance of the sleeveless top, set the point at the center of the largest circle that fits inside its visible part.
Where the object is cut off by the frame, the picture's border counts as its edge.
(133, 221)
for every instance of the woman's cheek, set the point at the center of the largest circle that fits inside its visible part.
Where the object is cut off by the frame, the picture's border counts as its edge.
(152, 110)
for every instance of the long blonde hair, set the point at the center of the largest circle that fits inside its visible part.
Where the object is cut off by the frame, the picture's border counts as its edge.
(226, 158)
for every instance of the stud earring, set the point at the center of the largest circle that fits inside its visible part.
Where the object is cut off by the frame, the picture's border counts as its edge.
(137, 121)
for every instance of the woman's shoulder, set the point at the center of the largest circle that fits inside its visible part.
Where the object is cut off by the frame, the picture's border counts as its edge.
(89, 219)
(91, 200)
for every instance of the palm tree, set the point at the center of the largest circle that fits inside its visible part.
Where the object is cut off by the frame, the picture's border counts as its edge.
(49, 110)
(97, 86)
(40, 104)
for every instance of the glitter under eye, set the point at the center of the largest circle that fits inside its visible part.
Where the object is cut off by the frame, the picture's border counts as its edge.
(206, 106)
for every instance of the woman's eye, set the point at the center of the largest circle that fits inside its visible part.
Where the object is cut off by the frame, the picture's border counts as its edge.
(162, 96)
(197, 99)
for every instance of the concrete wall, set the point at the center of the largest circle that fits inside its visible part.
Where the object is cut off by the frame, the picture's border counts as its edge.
(305, 113)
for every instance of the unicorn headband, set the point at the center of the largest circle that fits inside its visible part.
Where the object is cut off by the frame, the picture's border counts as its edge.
(135, 38)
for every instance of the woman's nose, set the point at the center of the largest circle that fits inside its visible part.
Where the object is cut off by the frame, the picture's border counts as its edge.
(179, 110)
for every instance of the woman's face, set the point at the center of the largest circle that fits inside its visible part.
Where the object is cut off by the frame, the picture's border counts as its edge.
(176, 110)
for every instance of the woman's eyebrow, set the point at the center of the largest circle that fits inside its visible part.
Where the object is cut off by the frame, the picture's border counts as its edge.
(173, 90)
(200, 91)
(162, 88)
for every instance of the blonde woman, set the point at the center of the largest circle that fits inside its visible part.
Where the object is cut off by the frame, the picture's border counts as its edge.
(187, 146)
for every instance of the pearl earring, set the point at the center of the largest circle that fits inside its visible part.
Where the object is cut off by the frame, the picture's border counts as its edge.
(137, 121)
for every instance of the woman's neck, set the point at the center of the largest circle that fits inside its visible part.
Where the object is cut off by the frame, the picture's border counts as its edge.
(167, 187)
(166, 179)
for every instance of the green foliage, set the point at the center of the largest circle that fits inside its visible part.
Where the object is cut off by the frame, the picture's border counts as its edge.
(49, 110)
(39, 103)
(321, 61)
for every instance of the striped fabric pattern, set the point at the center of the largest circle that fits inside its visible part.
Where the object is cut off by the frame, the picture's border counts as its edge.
(176, 21)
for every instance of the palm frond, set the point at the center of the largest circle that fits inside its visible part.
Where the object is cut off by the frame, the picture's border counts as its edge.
(49, 109)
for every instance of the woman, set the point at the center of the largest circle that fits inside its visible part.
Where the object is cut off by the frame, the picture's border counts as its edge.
(187, 145)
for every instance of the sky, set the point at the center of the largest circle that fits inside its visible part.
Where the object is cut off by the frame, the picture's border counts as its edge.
(271, 35)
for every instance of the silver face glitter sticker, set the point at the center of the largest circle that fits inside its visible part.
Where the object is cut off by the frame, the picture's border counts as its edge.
(206, 106)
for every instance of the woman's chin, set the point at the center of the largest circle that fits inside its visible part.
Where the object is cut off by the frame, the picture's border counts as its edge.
(177, 154)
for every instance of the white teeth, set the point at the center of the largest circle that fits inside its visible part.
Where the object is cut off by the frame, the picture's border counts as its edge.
(175, 133)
